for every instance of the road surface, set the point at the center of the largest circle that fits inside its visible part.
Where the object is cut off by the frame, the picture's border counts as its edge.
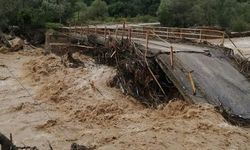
(217, 81)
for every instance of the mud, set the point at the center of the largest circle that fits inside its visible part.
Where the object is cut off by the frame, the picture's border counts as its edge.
(69, 105)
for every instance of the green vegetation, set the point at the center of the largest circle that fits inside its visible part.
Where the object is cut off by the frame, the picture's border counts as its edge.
(229, 14)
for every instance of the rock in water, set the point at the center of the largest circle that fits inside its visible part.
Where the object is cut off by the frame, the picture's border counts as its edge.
(75, 146)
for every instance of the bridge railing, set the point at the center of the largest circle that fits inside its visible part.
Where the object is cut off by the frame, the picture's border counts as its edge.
(162, 32)
(185, 33)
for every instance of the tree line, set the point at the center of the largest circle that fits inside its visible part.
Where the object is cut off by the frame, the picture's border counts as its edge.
(230, 14)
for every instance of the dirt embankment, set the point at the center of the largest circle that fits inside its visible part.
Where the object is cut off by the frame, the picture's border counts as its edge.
(83, 109)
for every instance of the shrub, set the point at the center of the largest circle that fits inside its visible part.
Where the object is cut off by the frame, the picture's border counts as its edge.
(239, 25)
(98, 9)
(51, 25)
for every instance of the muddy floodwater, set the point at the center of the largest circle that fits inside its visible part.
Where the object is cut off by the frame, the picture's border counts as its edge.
(42, 102)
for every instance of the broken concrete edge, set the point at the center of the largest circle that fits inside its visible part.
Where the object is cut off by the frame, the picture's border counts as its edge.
(236, 120)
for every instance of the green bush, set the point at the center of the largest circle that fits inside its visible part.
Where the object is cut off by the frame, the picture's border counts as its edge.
(163, 12)
(51, 25)
(239, 25)
(143, 19)
(97, 10)
(223, 13)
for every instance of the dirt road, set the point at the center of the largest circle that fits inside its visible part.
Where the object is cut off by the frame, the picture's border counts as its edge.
(43, 101)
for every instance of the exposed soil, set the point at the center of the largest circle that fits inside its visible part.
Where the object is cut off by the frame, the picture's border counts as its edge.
(76, 105)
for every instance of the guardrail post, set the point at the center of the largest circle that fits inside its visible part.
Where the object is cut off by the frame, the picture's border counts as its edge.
(105, 33)
(47, 42)
(116, 31)
(69, 30)
(167, 33)
(109, 36)
(75, 30)
(181, 34)
(123, 28)
(200, 35)
(82, 31)
(147, 34)
(95, 29)
(223, 39)
(127, 34)
(130, 35)
(172, 56)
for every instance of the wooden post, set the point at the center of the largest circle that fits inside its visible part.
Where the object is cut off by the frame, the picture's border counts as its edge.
(147, 34)
(69, 27)
(95, 29)
(47, 42)
(192, 82)
(105, 33)
(116, 31)
(127, 34)
(130, 35)
(172, 56)
(87, 29)
(123, 29)
(181, 34)
(75, 32)
(82, 31)
(148, 66)
(75, 24)
(109, 39)
(200, 35)
(223, 39)
(167, 33)
(11, 138)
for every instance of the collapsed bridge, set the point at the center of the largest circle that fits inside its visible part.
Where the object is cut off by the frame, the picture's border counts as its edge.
(200, 72)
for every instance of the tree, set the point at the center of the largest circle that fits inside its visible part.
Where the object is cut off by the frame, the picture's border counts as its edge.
(7, 8)
(208, 11)
(164, 12)
(227, 12)
(239, 25)
(80, 10)
(175, 12)
(98, 9)
(116, 9)
(230, 14)
(55, 10)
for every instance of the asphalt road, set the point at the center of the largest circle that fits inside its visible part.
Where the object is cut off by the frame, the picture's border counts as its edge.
(217, 81)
